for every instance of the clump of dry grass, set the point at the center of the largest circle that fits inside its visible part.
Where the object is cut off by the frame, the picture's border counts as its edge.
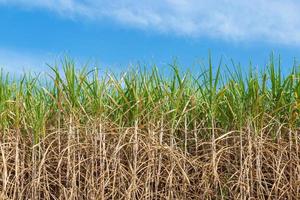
(79, 135)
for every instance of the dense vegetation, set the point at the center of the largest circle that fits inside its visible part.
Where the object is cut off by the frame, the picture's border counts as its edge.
(80, 134)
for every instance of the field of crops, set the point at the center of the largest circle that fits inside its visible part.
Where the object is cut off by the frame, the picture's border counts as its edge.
(82, 134)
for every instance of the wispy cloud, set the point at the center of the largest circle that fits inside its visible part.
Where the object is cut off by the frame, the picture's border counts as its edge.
(276, 21)
(17, 61)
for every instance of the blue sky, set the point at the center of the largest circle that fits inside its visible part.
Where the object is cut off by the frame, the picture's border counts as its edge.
(117, 33)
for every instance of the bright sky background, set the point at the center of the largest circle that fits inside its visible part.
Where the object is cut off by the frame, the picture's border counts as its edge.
(118, 32)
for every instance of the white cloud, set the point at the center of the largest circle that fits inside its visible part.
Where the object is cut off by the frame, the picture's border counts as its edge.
(276, 21)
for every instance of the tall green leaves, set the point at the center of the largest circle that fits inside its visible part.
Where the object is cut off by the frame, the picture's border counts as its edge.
(228, 96)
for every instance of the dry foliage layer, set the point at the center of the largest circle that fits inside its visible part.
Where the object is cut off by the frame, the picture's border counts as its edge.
(98, 162)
